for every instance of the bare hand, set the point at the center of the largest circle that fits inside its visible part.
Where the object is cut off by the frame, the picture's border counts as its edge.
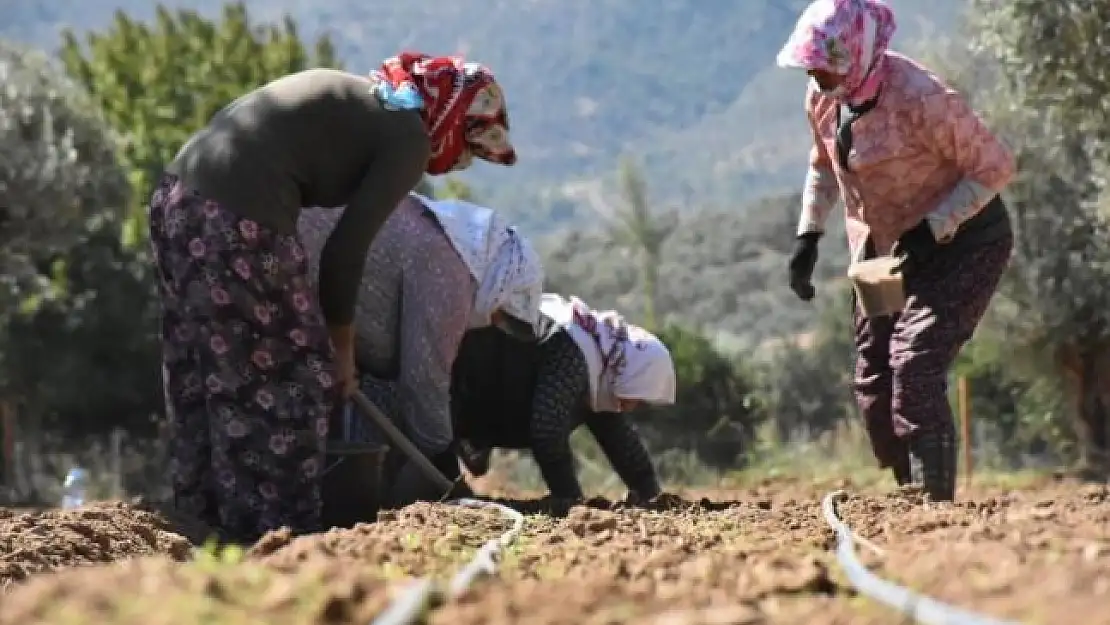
(343, 338)
(346, 372)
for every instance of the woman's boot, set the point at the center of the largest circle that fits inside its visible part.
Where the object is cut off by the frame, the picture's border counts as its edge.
(475, 458)
(903, 470)
(937, 451)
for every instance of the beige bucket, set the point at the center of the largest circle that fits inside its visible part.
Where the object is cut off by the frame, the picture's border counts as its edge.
(879, 286)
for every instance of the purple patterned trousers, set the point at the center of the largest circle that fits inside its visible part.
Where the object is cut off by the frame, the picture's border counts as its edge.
(247, 366)
(902, 361)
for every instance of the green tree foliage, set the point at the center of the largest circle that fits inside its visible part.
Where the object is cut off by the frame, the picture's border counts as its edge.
(63, 191)
(453, 188)
(807, 378)
(715, 413)
(637, 230)
(158, 84)
(86, 360)
(1052, 101)
(1044, 48)
(58, 168)
(721, 271)
(1014, 403)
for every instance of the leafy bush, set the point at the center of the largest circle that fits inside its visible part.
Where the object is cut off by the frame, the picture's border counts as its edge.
(87, 361)
(715, 414)
(84, 359)
(63, 192)
(58, 168)
(807, 378)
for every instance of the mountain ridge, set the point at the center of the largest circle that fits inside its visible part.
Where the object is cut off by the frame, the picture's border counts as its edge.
(688, 88)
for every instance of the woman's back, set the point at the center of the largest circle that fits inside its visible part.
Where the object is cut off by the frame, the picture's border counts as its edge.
(510, 394)
(306, 139)
(493, 382)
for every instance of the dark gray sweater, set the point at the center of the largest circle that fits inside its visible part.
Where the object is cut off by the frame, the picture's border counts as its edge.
(314, 138)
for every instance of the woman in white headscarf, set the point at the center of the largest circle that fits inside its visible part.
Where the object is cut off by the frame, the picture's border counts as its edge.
(435, 270)
(591, 368)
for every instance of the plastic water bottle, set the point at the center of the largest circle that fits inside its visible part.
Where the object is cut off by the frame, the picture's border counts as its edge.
(75, 488)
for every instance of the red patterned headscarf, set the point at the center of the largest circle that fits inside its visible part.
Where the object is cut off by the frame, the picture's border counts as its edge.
(463, 108)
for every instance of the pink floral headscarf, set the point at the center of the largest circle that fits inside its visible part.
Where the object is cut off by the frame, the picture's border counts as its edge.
(846, 37)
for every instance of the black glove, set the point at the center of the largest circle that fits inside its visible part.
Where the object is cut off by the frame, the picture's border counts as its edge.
(915, 244)
(474, 457)
(802, 263)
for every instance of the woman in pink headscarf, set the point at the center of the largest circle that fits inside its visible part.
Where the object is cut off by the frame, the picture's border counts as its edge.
(920, 175)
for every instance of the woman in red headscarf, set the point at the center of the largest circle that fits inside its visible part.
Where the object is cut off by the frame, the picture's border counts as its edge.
(919, 174)
(253, 360)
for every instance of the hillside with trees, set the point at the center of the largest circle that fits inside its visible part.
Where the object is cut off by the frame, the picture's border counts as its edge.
(688, 87)
(689, 235)
(720, 271)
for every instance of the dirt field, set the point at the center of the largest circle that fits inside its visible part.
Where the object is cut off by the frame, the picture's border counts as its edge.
(760, 554)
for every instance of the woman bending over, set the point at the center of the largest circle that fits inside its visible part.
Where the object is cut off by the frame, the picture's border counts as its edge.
(253, 358)
(590, 369)
(437, 269)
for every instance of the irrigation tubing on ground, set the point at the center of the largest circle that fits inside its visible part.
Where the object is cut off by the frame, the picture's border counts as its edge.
(419, 597)
(918, 607)
(410, 605)
(485, 561)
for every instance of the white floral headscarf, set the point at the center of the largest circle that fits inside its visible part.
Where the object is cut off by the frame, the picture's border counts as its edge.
(506, 267)
(624, 361)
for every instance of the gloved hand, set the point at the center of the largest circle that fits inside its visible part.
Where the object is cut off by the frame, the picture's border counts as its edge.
(802, 263)
(476, 459)
(915, 244)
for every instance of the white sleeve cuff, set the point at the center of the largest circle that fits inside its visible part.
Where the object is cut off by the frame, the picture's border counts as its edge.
(819, 196)
(966, 200)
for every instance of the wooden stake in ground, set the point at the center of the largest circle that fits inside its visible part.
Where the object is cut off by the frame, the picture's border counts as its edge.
(7, 448)
(964, 403)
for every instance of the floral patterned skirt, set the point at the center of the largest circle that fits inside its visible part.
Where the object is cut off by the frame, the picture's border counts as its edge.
(248, 367)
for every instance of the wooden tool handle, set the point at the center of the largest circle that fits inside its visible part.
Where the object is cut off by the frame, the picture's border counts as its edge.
(401, 441)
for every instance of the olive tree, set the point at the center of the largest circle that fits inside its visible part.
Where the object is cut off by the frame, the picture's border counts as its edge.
(1051, 102)
(59, 181)
(58, 167)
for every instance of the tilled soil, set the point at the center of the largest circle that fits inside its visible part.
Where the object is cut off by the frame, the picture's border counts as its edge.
(1042, 556)
(33, 543)
(753, 555)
